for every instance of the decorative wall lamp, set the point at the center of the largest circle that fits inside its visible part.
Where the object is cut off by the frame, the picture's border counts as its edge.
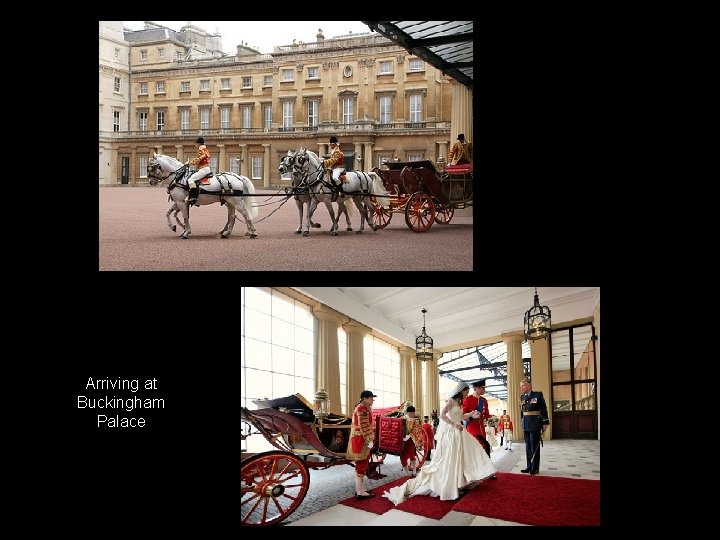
(321, 406)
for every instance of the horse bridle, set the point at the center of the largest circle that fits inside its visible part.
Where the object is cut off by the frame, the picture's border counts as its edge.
(153, 174)
(299, 162)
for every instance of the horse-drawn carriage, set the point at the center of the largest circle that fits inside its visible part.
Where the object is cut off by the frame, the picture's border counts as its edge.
(424, 194)
(274, 483)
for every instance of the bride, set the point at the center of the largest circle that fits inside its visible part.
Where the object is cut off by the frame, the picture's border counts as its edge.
(457, 461)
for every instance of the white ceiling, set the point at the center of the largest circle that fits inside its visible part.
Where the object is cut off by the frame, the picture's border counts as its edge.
(455, 315)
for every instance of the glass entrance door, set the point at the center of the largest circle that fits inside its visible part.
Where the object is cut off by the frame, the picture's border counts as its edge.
(574, 407)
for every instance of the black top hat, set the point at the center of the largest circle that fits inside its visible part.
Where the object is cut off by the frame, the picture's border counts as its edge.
(333, 139)
(461, 137)
(200, 140)
(366, 393)
(479, 384)
(410, 409)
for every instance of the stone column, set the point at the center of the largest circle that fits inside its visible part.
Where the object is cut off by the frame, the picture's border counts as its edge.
(432, 385)
(134, 173)
(597, 357)
(266, 165)
(417, 397)
(461, 117)
(515, 375)
(327, 366)
(407, 357)
(221, 159)
(368, 157)
(358, 164)
(540, 375)
(244, 160)
(179, 153)
(355, 364)
(442, 150)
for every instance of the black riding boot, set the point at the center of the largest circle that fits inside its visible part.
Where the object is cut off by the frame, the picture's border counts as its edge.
(193, 197)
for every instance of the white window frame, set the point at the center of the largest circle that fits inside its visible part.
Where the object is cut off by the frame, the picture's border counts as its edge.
(385, 67)
(205, 85)
(267, 81)
(142, 120)
(415, 104)
(185, 86)
(288, 113)
(225, 83)
(143, 55)
(348, 110)
(116, 121)
(247, 82)
(160, 120)
(117, 53)
(184, 119)
(287, 75)
(313, 72)
(385, 109)
(235, 163)
(247, 116)
(143, 163)
(160, 87)
(205, 118)
(143, 88)
(225, 117)
(267, 116)
(313, 112)
(416, 64)
(256, 169)
(116, 84)
(161, 52)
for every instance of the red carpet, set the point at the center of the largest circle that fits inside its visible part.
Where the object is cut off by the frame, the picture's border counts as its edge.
(426, 506)
(520, 498)
(535, 500)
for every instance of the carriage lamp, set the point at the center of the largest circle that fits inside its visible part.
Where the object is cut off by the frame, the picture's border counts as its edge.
(537, 321)
(321, 406)
(384, 163)
(424, 344)
(440, 163)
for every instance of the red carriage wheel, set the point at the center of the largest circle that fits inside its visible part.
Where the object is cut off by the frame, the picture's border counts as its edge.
(443, 214)
(273, 484)
(382, 216)
(422, 453)
(420, 212)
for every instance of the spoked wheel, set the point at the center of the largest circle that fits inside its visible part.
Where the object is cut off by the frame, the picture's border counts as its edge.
(420, 212)
(421, 453)
(273, 484)
(443, 214)
(382, 216)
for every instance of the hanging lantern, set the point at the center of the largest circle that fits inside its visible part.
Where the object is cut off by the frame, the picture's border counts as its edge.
(424, 344)
(537, 321)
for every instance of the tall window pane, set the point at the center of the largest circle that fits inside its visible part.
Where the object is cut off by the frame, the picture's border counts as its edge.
(385, 109)
(382, 371)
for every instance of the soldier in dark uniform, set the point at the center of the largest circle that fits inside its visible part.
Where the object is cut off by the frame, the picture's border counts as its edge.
(534, 423)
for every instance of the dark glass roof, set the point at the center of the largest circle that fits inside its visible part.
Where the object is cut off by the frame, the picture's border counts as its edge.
(446, 45)
(483, 362)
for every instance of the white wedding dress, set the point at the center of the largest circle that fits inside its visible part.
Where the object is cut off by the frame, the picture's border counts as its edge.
(457, 460)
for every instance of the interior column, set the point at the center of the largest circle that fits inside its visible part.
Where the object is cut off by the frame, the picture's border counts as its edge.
(327, 366)
(514, 376)
(354, 364)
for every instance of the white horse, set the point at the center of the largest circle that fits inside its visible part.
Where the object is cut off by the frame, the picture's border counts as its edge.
(309, 172)
(225, 188)
(302, 198)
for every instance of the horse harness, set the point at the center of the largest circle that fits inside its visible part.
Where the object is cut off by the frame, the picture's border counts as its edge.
(304, 186)
(224, 192)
